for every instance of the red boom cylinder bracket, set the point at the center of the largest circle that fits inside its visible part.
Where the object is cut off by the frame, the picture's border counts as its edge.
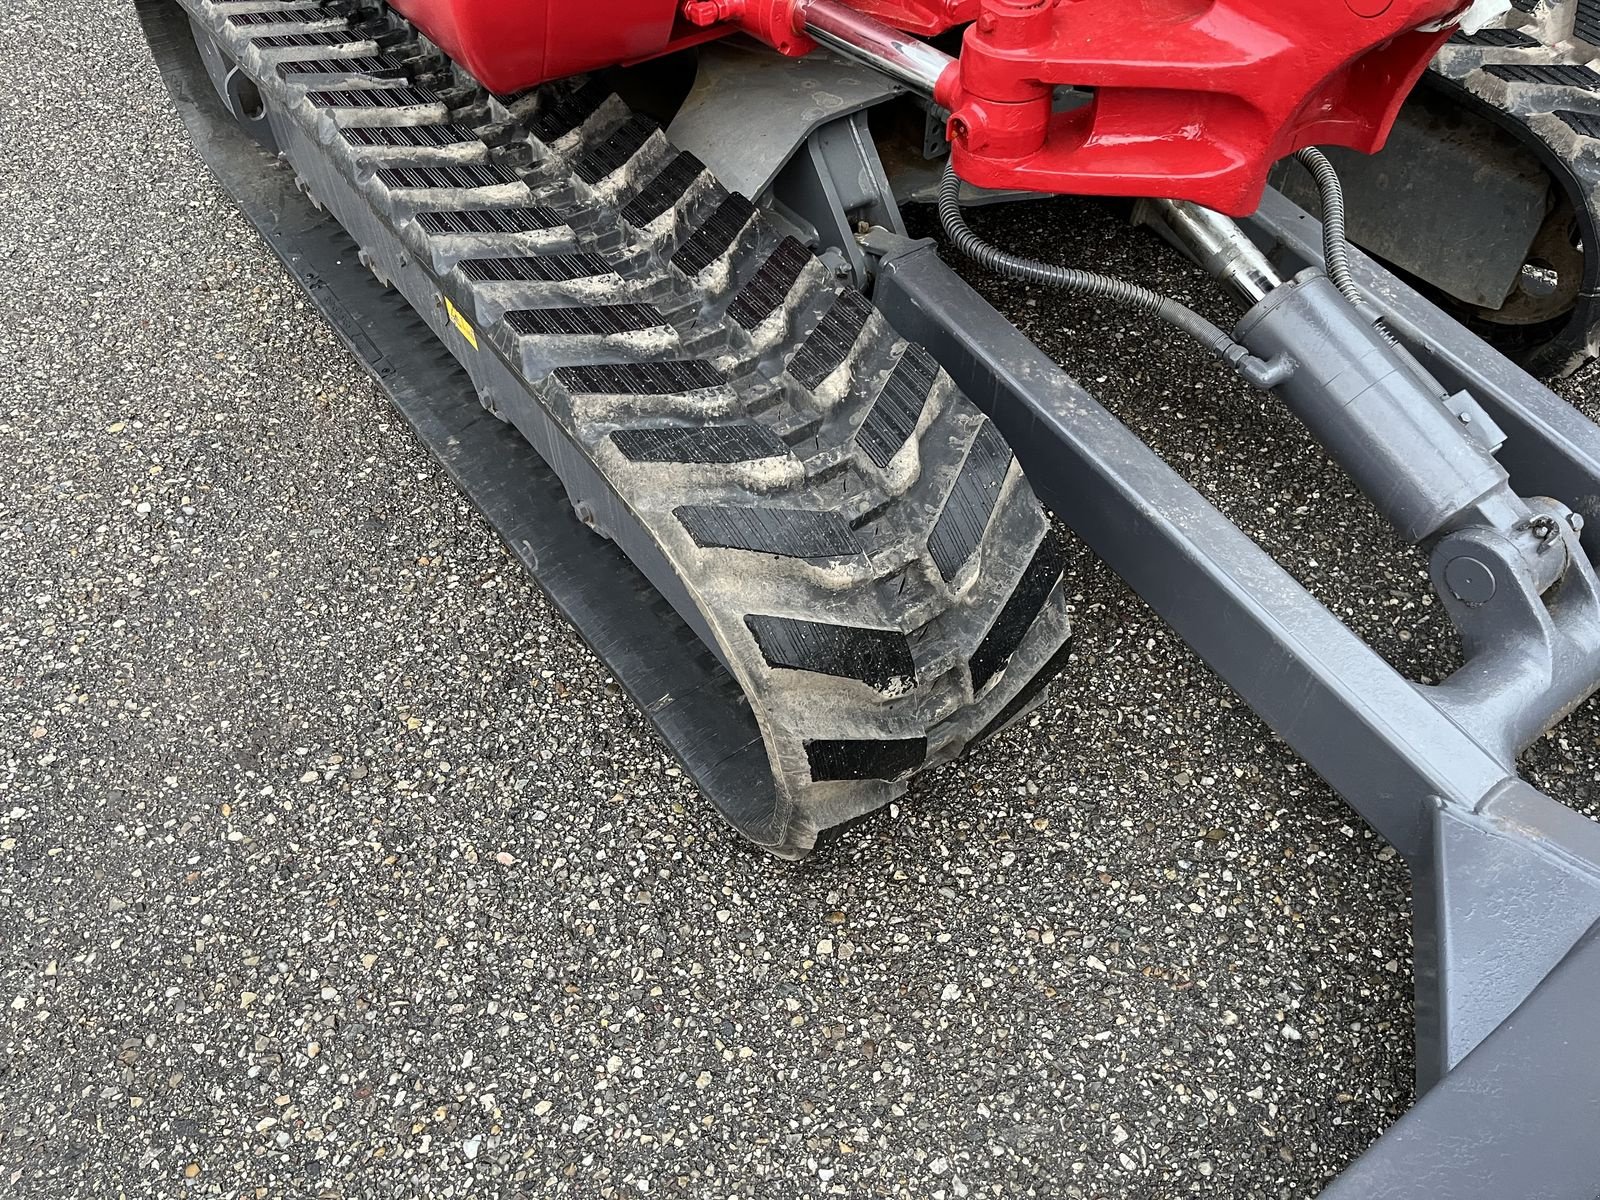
(925, 17)
(776, 22)
(1191, 99)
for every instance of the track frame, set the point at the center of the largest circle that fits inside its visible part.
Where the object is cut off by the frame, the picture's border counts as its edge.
(1506, 880)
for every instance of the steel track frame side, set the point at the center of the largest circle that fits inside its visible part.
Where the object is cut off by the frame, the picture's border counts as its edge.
(1506, 881)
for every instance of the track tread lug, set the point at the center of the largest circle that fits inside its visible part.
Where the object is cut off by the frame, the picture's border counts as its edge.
(716, 237)
(893, 416)
(828, 345)
(671, 377)
(718, 445)
(961, 525)
(605, 320)
(879, 658)
(376, 98)
(535, 268)
(597, 162)
(843, 758)
(782, 532)
(664, 191)
(523, 219)
(566, 112)
(382, 68)
(1547, 74)
(462, 177)
(1019, 613)
(766, 292)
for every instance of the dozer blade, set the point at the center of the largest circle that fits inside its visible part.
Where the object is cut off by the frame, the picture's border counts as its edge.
(835, 573)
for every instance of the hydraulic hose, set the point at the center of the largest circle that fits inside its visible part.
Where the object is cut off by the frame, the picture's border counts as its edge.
(1096, 286)
(1336, 256)
(1335, 244)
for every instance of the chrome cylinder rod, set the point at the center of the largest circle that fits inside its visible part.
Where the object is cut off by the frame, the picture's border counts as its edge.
(907, 59)
(1220, 246)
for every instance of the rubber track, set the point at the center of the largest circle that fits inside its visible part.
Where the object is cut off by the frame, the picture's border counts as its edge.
(1537, 77)
(851, 535)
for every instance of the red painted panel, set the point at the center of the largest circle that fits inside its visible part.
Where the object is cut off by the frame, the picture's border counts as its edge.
(925, 17)
(509, 45)
(1193, 99)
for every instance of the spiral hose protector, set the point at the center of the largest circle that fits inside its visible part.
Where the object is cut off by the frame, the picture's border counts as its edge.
(1335, 244)
(1083, 283)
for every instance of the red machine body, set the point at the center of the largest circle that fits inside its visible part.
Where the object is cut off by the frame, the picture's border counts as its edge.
(509, 45)
(1192, 99)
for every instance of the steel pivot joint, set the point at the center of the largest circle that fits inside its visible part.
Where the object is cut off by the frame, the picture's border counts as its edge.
(1510, 571)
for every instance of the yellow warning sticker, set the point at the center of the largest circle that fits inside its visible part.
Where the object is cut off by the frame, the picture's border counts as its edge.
(463, 326)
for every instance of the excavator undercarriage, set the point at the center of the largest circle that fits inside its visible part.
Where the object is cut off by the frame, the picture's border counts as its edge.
(659, 316)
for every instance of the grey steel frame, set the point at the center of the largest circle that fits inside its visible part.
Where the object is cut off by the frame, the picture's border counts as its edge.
(1505, 880)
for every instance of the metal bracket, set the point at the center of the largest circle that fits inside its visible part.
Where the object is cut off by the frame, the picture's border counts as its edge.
(1530, 658)
(236, 91)
(835, 187)
(750, 110)
(793, 133)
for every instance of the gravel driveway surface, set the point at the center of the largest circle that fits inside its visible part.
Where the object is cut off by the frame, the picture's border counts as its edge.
(333, 865)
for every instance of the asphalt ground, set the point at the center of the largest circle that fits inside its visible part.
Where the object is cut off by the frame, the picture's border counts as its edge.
(333, 865)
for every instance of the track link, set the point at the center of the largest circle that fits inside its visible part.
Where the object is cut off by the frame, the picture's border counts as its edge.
(1538, 76)
(845, 530)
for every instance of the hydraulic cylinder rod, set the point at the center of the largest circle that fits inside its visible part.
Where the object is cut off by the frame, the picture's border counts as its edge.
(1217, 244)
(857, 36)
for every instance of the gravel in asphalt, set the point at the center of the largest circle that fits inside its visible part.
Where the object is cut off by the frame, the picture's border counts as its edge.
(333, 865)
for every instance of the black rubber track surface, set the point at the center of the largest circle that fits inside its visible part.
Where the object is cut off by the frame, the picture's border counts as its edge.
(850, 536)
